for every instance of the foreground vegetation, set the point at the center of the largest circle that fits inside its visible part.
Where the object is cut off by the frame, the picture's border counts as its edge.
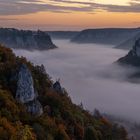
(61, 119)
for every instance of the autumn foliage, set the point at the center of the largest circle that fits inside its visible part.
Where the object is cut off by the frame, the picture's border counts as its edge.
(61, 120)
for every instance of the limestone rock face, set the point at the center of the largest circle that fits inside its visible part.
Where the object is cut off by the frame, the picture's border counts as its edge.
(25, 39)
(34, 107)
(57, 86)
(133, 57)
(127, 44)
(26, 93)
(136, 48)
(25, 90)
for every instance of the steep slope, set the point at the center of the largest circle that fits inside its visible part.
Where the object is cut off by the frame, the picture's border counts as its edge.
(113, 36)
(133, 57)
(21, 39)
(128, 43)
(132, 60)
(33, 108)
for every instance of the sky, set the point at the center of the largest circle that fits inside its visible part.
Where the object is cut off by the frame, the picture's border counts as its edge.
(69, 14)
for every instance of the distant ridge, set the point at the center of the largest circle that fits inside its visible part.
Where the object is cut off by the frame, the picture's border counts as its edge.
(25, 39)
(62, 34)
(128, 43)
(113, 36)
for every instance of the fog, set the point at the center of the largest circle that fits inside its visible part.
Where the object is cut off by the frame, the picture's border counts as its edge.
(88, 74)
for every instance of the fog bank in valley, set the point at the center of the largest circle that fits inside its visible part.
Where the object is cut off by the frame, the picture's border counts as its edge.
(89, 76)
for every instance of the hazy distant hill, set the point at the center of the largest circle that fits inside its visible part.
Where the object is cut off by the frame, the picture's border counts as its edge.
(62, 34)
(112, 36)
(128, 43)
(23, 39)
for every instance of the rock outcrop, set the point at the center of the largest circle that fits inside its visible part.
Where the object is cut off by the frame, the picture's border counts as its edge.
(26, 93)
(34, 107)
(57, 87)
(127, 44)
(133, 57)
(25, 39)
(136, 49)
(25, 90)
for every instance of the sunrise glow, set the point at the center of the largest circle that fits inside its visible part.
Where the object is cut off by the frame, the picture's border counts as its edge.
(69, 14)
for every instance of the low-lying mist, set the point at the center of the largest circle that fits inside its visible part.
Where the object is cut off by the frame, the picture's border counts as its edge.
(89, 75)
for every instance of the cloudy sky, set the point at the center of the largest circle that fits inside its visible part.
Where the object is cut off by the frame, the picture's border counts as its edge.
(69, 14)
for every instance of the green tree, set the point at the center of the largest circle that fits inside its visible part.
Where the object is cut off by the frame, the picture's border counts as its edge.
(90, 134)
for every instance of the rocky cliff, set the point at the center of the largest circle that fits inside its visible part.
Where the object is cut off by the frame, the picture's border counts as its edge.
(127, 44)
(25, 91)
(25, 87)
(133, 56)
(22, 39)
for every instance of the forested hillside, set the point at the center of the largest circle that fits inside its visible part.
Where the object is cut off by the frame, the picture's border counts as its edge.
(33, 107)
